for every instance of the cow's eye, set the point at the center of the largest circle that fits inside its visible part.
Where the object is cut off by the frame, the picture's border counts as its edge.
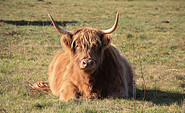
(76, 47)
(94, 46)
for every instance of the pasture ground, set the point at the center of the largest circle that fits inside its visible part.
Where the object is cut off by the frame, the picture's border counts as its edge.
(150, 34)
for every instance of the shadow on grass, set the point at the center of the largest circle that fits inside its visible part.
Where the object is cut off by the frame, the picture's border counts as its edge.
(37, 23)
(160, 97)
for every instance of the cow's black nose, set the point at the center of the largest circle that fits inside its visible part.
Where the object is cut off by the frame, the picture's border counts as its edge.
(87, 63)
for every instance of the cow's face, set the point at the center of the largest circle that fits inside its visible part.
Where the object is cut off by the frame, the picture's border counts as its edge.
(86, 46)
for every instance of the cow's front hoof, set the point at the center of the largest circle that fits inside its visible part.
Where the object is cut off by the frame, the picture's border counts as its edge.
(41, 85)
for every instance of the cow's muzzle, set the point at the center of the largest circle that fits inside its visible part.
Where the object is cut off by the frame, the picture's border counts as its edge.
(88, 64)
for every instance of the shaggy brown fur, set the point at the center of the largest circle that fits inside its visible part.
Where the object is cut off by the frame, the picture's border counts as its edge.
(110, 77)
(89, 66)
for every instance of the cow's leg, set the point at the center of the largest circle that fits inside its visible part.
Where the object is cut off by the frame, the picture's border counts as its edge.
(87, 92)
(41, 85)
(69, 91)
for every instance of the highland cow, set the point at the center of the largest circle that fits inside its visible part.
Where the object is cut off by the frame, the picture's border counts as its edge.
(89, 66)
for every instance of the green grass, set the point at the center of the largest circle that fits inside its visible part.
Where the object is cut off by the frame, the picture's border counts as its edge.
(28, 43)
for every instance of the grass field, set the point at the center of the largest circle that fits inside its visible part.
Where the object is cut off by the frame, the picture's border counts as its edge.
(28, 42)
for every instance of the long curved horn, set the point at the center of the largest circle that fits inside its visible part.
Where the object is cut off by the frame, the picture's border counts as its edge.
(57, 27)
(108, 31)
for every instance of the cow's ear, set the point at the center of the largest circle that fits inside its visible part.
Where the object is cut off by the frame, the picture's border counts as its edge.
(66, 41)
(106, 40)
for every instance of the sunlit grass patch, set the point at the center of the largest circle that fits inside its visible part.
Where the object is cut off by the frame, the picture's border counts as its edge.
(28, 42)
